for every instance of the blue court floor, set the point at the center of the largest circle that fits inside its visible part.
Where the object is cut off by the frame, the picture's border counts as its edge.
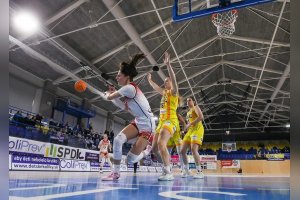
(88, 185)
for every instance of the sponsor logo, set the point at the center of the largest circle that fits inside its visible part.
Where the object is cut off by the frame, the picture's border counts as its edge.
(22, 145)
(74, 164)
(63, 152)
(194, 137)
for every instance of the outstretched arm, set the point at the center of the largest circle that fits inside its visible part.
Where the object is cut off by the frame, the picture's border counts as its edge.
(171, 74)
(198, 119)
(154, 85)
(114, 95)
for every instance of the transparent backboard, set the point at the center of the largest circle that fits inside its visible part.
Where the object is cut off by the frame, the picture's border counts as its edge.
(188, 9)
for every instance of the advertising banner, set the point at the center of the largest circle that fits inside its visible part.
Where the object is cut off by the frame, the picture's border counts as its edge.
(147, 161)
(208, 162)
(26, 146)
(208, 158)
(209, 165)
(143, 169)
(151, 169)
(9, 161)
(74, 165)
(34, 163)
(91, 156)
(64, 152)
(230, 164)
(273, 157)
(95, 167)
(123, 168)
(175, 159)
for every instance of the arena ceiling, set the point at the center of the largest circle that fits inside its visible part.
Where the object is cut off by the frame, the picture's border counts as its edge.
(241, 82)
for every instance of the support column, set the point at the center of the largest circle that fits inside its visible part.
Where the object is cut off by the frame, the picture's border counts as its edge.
(48, 99)
(36, 103)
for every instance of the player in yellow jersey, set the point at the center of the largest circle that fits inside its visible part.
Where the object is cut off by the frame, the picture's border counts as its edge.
(168, 121)
(194, 136)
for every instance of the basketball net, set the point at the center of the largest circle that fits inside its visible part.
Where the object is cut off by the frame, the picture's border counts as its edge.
(229, 149)
(225, 22)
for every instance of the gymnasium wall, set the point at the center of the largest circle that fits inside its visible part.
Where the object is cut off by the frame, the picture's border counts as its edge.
(21, 94)
(99, 123)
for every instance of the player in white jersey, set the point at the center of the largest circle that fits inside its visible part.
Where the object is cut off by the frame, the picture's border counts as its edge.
(130, 98)
(104, 145)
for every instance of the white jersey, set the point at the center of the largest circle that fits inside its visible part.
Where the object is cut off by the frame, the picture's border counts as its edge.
(104, 145)
(135, 101)
(137, 104)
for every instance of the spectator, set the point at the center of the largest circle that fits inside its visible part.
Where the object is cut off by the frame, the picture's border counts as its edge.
(111, 136)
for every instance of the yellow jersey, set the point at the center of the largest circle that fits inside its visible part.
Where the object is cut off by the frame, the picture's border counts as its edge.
(191, 116)
(168, 106)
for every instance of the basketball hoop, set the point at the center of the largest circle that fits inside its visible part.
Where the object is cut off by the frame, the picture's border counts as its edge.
(225, 22)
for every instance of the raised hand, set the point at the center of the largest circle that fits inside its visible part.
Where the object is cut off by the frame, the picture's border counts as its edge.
(149, 76)
(167, 58)
(111, 89)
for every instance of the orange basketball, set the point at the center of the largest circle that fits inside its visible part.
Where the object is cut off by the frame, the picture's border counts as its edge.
(80, 86)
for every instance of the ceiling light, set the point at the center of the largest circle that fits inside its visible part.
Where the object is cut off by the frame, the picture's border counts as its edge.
(26, 22)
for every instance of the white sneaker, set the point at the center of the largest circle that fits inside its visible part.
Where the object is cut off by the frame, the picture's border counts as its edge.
(166, 177)
(185, 173)
(199, 175)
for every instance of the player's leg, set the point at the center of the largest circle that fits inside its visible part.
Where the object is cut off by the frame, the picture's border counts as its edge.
(127, 133)
(196, 141)
(163, 138)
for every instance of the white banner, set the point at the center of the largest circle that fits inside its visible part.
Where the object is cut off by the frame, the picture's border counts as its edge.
(74, 165)
(143, 169)
(158, 169)
(209, 165)
(208, 158)
(26, 146)
(123, 168)
(9, 161)
(34, 163)
(66, 152)
(151, 169)
(48, 149)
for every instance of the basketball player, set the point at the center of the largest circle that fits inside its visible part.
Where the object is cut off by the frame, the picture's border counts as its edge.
(134, 101)
(104, 145)
(168, 122)
(194, 136)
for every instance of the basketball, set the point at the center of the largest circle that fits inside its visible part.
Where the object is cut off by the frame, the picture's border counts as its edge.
(80, 86)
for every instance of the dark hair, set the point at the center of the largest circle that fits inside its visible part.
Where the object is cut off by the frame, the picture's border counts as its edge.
(192, 99)
(128, 69)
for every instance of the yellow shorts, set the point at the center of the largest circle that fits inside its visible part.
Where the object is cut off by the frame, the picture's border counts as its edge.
(194, 135)
(172, 125)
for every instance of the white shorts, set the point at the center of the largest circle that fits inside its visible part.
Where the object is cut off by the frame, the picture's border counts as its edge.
(145, 126)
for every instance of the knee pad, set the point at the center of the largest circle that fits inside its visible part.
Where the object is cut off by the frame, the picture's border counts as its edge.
(132, 158)
(119, 140)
